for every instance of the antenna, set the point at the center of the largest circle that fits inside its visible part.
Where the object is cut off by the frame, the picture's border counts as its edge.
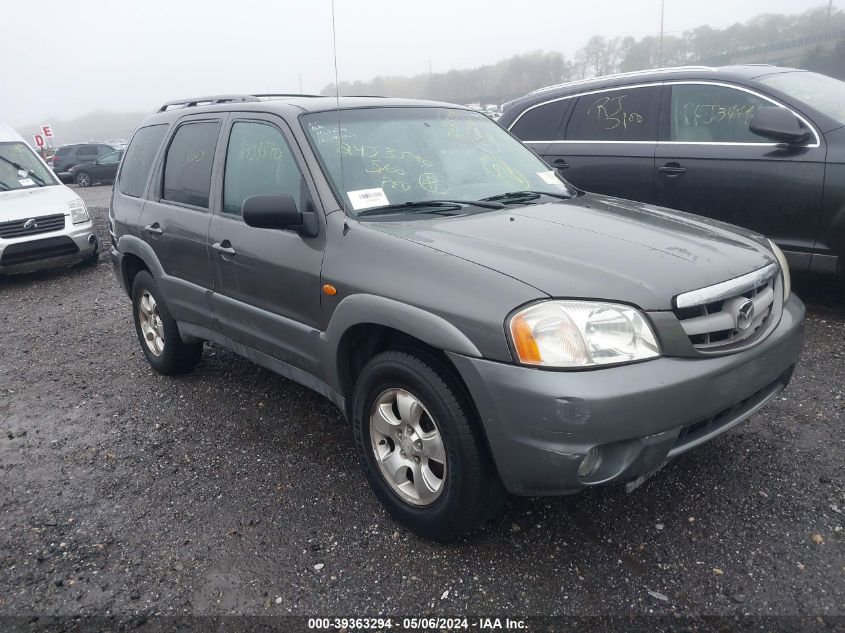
(337, 98)
(660, 41)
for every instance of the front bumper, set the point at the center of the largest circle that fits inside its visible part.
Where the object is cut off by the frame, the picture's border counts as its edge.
(540, 424)
(72, 244)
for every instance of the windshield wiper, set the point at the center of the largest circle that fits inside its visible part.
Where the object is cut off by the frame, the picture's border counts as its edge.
(30, 174)
(423, 205)
(513, 197)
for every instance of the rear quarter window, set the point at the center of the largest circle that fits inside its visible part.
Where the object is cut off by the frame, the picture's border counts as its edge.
(541, 122)
(139, 158)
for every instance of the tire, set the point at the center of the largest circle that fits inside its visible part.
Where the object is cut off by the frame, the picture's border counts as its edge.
(94, 258)
(166, 352)
(469, 491)
(83, 179)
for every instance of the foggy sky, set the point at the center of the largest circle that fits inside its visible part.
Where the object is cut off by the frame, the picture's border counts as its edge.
(62, 59)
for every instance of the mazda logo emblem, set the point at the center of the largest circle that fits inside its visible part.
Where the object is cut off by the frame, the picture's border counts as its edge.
(30, 224)
(745, 315)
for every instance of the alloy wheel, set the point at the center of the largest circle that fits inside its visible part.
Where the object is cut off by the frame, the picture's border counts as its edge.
(152, 327)
(408, 447)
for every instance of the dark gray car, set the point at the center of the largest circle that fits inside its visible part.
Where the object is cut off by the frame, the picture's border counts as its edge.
(69, 156)
(483, 325)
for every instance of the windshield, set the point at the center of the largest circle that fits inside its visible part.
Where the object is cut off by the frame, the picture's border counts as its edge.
(20, 169)
(825, 94)
(387, 156)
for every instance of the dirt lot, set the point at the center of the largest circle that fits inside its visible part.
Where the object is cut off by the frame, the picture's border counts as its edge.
(232, 490)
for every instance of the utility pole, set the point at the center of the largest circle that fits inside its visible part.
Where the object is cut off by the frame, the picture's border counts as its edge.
(660, 41)
(827, 23)
(300, 84)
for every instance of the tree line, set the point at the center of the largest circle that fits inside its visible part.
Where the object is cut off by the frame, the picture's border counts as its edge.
(602, 56)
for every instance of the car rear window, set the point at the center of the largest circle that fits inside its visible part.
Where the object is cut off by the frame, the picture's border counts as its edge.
(139, 159)
(187, 166)
(63, 151)
(627, 114)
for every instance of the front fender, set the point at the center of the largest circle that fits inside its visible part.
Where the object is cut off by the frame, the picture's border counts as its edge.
(360, 309)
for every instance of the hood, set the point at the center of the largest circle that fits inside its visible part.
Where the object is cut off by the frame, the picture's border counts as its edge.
(23, 204)
(595, 247)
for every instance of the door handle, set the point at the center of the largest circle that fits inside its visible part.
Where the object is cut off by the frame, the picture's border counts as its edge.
(560, 164)
(224, 247)
(154, 229)
(671, 170)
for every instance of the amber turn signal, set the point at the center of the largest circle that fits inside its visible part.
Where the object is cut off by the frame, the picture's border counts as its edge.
(330, 290)
(523, 339)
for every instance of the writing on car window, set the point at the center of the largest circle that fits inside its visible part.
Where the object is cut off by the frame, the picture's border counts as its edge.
(610, 112)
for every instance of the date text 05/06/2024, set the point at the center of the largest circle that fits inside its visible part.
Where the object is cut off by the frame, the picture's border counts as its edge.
(410, 624)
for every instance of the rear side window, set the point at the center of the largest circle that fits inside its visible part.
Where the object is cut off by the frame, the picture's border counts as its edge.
(627, 114)
(703, 113)
(187, 165)
(258, 161)
(87, 150)
(541, 123)
(63, 151)
(139, 158)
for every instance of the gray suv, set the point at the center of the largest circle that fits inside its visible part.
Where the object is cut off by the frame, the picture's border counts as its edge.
(483, 325)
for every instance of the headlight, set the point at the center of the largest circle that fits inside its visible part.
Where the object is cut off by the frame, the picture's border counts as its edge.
(784, 267)
(78, 212)
(581, 334)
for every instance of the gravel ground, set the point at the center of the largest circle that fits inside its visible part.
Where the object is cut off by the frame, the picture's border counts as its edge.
(232, 490)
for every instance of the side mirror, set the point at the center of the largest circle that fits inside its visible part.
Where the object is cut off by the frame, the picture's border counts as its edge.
(271, 211)
(779, 125)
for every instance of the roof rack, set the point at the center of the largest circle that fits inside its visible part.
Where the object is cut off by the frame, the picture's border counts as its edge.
(634, 73)
(276, 95)
(211, 100)
(216, 99)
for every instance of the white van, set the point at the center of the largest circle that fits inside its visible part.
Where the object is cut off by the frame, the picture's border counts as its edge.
(43, 223)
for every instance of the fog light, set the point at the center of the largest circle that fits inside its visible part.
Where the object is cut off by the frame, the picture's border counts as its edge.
(590, 462)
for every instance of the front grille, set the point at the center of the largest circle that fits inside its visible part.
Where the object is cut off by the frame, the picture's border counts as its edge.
(44, 224)
(721, 319)
(35, 250)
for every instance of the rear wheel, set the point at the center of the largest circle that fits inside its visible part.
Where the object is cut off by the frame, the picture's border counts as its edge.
(82, 179)
(158, 332)
(422, 448)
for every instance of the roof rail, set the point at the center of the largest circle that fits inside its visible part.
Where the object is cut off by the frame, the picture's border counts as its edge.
(211, 100)
(634, 73)
(275, 95)
(216, 99)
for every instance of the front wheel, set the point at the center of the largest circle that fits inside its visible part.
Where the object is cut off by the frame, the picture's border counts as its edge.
(94, 258)
(82, 179)
(421, 446)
